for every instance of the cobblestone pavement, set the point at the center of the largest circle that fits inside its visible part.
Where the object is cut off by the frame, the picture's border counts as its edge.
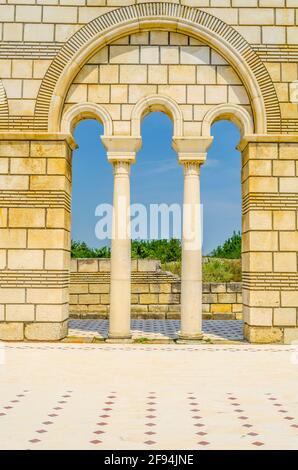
(103, 396)
(159, 329)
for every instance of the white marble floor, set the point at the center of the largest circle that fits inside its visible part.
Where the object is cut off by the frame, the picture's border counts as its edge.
(103, 396)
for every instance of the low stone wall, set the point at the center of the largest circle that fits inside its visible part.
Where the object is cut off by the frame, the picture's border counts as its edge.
(155, 293)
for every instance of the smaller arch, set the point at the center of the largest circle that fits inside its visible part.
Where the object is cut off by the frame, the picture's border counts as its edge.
(154, 103)
(232, 112)
(81, 111)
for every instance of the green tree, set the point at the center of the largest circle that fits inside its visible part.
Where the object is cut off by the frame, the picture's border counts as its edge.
(82, 250)
(230, 249)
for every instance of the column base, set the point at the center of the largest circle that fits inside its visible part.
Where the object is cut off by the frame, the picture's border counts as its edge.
(190, 339)
(119, 339)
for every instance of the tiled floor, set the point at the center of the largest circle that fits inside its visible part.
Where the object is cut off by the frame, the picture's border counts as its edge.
(220, 330)
(103, 396)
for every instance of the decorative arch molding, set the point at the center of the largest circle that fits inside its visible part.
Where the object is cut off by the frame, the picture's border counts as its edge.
(4, 112)
(81, 111)
(153, 103)
(233, 112)
(172, 17)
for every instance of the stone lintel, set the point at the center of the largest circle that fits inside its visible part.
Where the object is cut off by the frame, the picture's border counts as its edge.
(267, 138)
(46, 136)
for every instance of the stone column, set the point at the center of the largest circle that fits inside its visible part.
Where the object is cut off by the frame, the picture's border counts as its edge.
(121, 153)
(191, 154)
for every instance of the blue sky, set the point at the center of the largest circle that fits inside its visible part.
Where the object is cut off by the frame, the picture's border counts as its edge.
(158, 178)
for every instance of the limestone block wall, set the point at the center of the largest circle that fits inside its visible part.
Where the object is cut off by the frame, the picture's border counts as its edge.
(148, 63)
(34, 238)
(155, 293)
(270, 239)
(32, 32)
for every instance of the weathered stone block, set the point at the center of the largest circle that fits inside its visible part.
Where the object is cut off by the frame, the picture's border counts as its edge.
(263, 335)
(99, 288)
(11, 331)
(148, 298)
(88, 265)
(226, 298)
(290, 336)
(17, 312)
(218, 287)
(46, 331)
(221, 308)
(140, 288)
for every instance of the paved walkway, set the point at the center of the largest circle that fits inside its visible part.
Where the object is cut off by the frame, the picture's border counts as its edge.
(214, 330)
(100, 396)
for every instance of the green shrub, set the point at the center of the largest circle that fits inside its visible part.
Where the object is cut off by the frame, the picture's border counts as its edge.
(82, 250)
(213, 269)
(164, 250)
(231, 248)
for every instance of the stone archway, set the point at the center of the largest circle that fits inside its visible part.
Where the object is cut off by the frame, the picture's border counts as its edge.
(171, 17)
(36, 188)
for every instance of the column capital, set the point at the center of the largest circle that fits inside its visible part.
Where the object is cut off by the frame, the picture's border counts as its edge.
(191, 149)
(121, 148)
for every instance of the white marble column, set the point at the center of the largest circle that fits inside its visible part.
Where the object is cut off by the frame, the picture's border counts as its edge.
(121, 153)
(191, 155)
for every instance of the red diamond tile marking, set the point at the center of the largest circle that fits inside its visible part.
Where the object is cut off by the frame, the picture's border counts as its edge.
(252, 434)
(98, 432)
(34, 441)
(204, 443)
(47, 422)
(150, 433)
(41, 431)
(258, 443)
(289, 417)
(150, 424)
(294, 425)
(150, 442)
(96, 441)
(243, 417)
(107, 409)
(196, 417)
(58, 408)
(2, 414)
(150, 416)
(53, 415)
(104, 416)
(247, 425)
(201, 433)
(102, 424)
